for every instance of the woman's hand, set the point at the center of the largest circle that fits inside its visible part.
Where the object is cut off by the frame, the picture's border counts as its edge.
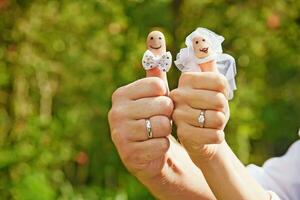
(225, 174)
(196, 92)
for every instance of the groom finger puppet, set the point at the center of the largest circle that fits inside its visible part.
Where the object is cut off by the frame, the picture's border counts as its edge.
(156, 55)
(203, 53)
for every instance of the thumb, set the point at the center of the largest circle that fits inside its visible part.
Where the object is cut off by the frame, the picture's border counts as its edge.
(210, 66)
(155, 72)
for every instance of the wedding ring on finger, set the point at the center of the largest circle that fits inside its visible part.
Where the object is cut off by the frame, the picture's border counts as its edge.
(201, 118)
(149, 129)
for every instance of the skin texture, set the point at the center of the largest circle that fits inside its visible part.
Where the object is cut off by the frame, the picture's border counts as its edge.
(141, 156)
(225, 174)
(160, 163)
(193, 95)
(167, 169)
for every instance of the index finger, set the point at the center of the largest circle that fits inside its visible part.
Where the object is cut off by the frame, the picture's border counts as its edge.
(146, 87)
(205, 81)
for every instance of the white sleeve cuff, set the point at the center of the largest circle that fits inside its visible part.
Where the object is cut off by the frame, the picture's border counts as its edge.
(273, 196)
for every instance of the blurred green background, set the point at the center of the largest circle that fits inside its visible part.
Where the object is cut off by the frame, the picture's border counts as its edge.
(60, 61)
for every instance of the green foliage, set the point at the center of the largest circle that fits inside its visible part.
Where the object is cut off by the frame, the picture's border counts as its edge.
(60, 61)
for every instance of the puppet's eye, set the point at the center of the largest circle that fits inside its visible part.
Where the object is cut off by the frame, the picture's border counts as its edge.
(159, 38)
(197, 42)
(151, 38)
(203, 40)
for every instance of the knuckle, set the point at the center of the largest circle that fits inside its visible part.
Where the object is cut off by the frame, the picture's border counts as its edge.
(211, 76)
(114, 136)
(217, 137)
(175, 95)
(164, 125)
(220, 119)
(166, 105)
(115, 114)
(111, 115)
(117, 137)
(220, 101)
(157, 85)
(117, 94)
(221, 82)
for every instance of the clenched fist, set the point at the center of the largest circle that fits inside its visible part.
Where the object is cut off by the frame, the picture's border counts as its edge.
(201, 93)
(160, 162)
(131, 106)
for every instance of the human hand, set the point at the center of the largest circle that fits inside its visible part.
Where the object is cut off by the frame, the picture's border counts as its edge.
(131, 104)
(196, 92)
(160, 163)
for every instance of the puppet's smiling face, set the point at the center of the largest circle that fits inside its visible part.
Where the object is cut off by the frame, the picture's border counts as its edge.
(156, 42)
(201, 46)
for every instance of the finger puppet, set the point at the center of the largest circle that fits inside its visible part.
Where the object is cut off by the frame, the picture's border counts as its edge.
(156, 54)
(203, 48)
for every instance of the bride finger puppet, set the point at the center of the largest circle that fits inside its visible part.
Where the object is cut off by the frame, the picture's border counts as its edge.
(156, 55)
(203, 48)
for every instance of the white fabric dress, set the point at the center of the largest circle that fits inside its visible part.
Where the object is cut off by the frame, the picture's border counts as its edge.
(280, 175)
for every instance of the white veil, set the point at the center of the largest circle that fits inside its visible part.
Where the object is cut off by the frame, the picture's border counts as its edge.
(186, 61)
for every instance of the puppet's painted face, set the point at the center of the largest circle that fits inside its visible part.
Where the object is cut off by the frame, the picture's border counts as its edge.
(202, 47)
(156, 42)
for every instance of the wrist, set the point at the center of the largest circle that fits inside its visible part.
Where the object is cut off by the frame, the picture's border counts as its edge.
(212, 157)
(228, 177)
(179, 178)
(166, 183)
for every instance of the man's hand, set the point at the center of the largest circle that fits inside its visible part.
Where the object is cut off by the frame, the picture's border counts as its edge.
(196, 92)
(131, 105)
